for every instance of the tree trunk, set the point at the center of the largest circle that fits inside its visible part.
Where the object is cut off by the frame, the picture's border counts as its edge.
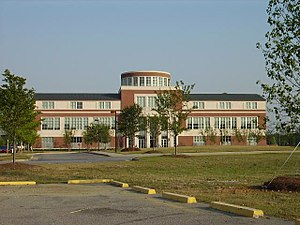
(14, 151)
(175, 143)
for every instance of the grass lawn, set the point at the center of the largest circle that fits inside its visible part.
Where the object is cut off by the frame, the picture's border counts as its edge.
(232, 179)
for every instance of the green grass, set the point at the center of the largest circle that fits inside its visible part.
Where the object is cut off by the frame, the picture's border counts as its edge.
(209, 178)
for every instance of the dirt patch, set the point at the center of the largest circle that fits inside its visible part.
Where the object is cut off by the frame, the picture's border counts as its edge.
(17, 166)
(152, 152)
(284, 183)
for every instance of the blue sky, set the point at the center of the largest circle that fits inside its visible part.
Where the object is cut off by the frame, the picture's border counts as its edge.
(84, 46)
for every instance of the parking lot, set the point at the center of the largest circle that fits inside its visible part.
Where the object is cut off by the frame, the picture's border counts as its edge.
(63, 204)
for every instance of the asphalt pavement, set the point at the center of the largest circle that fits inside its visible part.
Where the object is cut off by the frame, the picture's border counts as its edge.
(62, 204)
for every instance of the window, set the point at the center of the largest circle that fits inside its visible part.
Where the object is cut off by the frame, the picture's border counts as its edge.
(251, 140)
(226, 140)
(148, 81)
(129, 81)
(104, 105)
(225, 105)
(154, 81)
(105, 120)
(198, 123)
(48, 105)
(198, 105)
(141, 101)
(135, 81)
(76, 105)
(249, 122)
(198, 140)
(251, 105)
(225, 122)
(47, 142)
(76, 123)
(51, 123)
(165, 81)
(142, 81)
(160, 80)
(76, 139)
(152, 102)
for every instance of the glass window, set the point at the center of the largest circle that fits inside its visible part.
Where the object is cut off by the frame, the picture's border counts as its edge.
(76, 105)
(148, 81)
(142, 81)
(152, 102)
(154, 81)
(129, 81)
(48, 105)
(249, 122)
(198, 140)
(104, 105)
(165, 81)
(51, 123)
(141, 101)
(76, 123)
(105, 120)
(198, 105)
(225, 105)
(225, 122)
(251, 105)
(198, 122)
(160, 80)
(135, 81)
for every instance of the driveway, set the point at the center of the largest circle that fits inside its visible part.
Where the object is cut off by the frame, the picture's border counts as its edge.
(62, 204)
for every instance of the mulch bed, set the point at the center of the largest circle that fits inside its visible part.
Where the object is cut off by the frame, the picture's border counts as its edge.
(284, 183)
(130, 150)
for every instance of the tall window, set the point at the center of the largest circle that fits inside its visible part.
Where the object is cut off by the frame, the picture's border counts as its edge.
(141, 101)
(129, 81)
(135, 81)
(249, 122)
(251, 105)
(225, 122)
(76, 105)
(148, 81)
(152, 102)
(104, 105)
(142, 81)
(160, 80)
(48, 105)
(105, 120)
(154, 81)
(198, 123)
(76, 123)
(165, 81)
(198, 105)
(225, 105)
(51, 123)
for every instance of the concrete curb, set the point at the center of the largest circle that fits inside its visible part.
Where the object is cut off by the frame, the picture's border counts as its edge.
(89, 181)
(297, 222)
(236, 209)
(17, 183)
(179, 198)
(119, 184)
(148, 191)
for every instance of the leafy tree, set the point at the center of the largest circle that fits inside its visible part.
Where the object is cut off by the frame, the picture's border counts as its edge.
(129, 122)
(154, 125)
(88, 136)
(17, 109)
(172, 109)
(282, 52)
(100, 134)
(68, 135)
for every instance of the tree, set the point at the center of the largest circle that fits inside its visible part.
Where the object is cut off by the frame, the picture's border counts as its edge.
(172, 109)
(17, 109)
(154, 125)
(282, 52)
(100, 134)
(68, 135)
(129, 122)
(88, 136)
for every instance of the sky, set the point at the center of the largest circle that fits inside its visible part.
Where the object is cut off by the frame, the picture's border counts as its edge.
(78, 46)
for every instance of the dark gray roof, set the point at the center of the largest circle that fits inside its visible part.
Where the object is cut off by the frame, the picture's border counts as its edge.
(226, 97)
(76, 96)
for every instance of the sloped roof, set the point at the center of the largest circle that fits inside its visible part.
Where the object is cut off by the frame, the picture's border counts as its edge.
(77, 96)
(226, 97)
